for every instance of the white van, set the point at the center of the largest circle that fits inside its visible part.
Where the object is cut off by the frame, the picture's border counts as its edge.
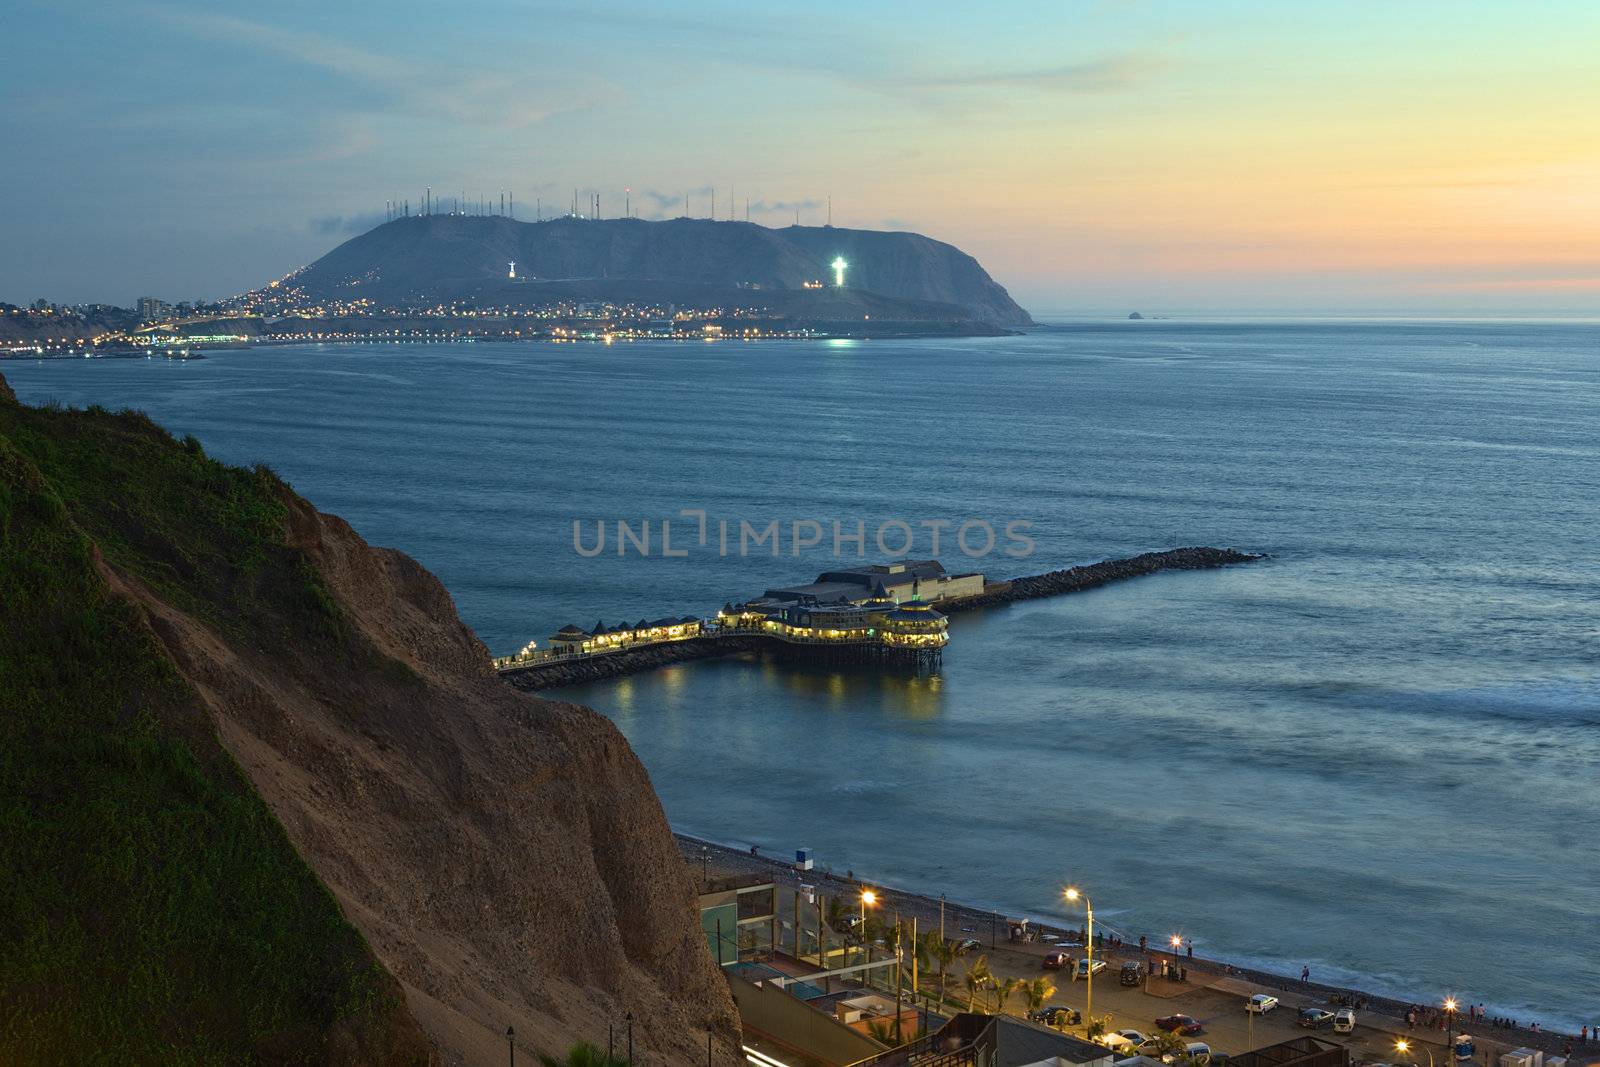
(1344, 1021)
(1196, 1052)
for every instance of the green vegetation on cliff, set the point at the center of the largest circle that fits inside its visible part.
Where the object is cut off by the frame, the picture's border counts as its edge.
(154, 909)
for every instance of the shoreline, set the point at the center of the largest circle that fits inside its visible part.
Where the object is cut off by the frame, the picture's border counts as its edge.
(985, 925)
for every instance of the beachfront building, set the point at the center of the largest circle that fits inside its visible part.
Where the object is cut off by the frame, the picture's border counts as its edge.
(911, 627)
(572, 641)
(882, 612)
(972, 1040)
(920, 579)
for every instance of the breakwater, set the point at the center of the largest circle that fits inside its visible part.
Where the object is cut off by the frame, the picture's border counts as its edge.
(1093, 575)
(563, 672)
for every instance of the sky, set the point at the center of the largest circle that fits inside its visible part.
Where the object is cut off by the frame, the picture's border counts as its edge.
(1095, 155)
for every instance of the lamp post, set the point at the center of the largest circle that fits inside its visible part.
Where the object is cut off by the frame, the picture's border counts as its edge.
(868, 899)
(1403, 1046)
(1176, 942)
(1072, 893)
(1450, 1030)
(511, 1045)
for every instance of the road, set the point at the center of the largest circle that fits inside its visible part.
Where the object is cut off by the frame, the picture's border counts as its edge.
(1228, 1027)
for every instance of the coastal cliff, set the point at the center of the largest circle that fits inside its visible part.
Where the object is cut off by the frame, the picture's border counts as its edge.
(420, 260)
(264, 799)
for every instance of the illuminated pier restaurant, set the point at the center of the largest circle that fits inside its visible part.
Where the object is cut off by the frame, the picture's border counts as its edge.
(883, 612)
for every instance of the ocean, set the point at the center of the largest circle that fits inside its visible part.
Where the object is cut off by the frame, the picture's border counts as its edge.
(1375, 753)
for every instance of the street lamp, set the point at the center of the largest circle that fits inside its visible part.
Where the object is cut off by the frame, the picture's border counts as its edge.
(1403, 1046)
(1177, 943)
(1073, 894)
(1450, 1032)
(511, 1045)
(868, 899)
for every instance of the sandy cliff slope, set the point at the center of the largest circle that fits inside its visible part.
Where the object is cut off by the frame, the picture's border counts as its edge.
(505, 857)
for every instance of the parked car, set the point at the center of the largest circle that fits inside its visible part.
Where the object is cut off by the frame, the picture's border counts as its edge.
(1054, 961)
(1131, 974)
(1316, 1018)
(1344, 1021)
(967, 944)
(1086, 967)
(1056, 1015)
(1195, 1052)
(1180, 1024)
(1260, 1004)
(1123, 1041)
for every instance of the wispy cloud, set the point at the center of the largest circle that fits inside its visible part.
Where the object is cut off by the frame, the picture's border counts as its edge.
(479, 95)
(1104, 74)
(341, 224)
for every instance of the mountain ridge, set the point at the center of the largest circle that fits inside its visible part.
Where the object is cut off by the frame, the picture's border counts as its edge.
(419, 260)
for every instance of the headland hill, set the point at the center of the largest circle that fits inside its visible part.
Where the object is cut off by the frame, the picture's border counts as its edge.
(460, 276)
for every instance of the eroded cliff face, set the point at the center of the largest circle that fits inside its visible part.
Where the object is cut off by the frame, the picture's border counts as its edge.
(505, 857)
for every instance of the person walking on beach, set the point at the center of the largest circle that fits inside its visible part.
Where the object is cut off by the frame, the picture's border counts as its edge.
(1190, 945)
(1305, 975)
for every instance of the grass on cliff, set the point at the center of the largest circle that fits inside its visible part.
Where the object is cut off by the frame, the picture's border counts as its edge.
(153, 908)
(205, 536)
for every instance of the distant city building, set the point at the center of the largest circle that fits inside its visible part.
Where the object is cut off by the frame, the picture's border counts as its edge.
(151, 309)
(919, 579)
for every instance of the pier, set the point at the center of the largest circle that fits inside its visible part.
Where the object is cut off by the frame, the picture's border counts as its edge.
(889, 614)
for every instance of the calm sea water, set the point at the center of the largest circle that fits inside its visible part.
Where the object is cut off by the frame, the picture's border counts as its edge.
(1376, 753)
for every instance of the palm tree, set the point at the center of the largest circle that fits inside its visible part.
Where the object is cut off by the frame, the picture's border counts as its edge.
(922, 953)
(1038, 991)
(977, 978)
(582, 1054)
(1168, 1041)
(945, 953)
(1004, 989)
(836, 914)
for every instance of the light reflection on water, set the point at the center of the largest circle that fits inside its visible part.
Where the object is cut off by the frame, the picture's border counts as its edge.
(1375, 753)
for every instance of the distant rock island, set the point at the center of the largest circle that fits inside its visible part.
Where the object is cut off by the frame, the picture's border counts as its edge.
(418, 262)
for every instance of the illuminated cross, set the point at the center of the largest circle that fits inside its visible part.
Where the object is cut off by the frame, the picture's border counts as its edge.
(513, 270)
(838, 266)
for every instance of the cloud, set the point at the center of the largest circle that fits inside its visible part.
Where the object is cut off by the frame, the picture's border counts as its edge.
(418, 88)
(808, 204)
(360, 222)
(1106, 74)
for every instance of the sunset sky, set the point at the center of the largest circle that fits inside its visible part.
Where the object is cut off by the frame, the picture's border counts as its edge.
(1095, 156)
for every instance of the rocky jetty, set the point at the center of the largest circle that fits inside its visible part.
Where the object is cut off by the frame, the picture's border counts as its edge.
(1092, 575)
